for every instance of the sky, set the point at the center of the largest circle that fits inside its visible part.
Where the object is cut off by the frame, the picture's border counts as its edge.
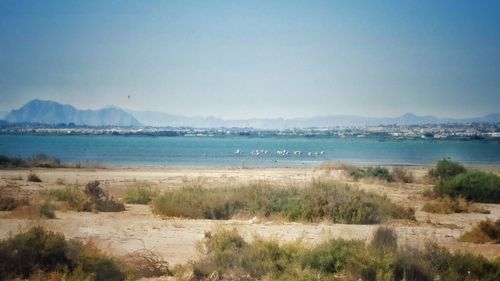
(246, 59)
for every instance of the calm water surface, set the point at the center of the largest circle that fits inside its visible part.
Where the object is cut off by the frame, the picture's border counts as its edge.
(219, 151)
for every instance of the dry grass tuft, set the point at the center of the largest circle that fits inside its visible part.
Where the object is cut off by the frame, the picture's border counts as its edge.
(146, 263)
(448, 205)
(33, 177)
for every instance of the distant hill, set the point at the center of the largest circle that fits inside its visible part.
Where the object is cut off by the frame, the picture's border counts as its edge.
(164, 119)
(49, 112)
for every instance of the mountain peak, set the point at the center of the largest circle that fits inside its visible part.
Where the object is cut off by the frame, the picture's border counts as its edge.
(408, 114)
(50, 112)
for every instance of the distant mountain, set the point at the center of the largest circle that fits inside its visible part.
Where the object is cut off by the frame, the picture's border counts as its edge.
(49, 112)
(3, 114)
(164, 119)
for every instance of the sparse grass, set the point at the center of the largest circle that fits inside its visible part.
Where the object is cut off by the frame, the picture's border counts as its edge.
(33, 177)
(448, 205)
(378, 172)
(399, 174)
(8, 203)
(139, 194)
(47, 255)
(92, 198)
(60, 181)
(484, 232)
(322, 200)
(226, 256)
(47, 211)
(74, 196)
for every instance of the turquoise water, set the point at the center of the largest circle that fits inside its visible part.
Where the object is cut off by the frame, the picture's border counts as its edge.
(219, 151)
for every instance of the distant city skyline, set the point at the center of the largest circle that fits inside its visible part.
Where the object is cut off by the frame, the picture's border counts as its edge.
(254, 59)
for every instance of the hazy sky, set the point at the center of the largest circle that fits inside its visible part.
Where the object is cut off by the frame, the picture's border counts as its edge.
(240, 59)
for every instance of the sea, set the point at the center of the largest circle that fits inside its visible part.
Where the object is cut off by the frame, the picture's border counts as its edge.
(244, 151)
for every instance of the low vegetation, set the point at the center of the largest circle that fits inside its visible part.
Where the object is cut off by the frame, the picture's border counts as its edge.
(33, 177)
(474, 185)
(455, 180)
(92, 198)
(47, 210)
(322, 200)
(8, 203)
(380, 173)
(139, 194)
(397, 174)
(449, 205)
(402, 175)
(484, 232)
(446, 169)
(41, 160)
(47, 255)
(226, 256)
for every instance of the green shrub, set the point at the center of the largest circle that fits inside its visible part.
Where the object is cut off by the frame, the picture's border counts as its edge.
(75, 198)
(197, 202)
(47, 211)
(378, 172)
(34, 250)
(231, 258)
(460, 266)
(38, 250)
(331, 256)
(321, 200)
(474, 185)
(446, 169)
(138, 195)
(226, 256)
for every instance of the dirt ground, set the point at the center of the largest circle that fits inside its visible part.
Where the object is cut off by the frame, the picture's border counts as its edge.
(175, 239)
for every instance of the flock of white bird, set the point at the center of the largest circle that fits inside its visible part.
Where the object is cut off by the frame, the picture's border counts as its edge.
(284, 152)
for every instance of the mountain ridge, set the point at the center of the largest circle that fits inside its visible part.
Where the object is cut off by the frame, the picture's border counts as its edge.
(50, 112)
